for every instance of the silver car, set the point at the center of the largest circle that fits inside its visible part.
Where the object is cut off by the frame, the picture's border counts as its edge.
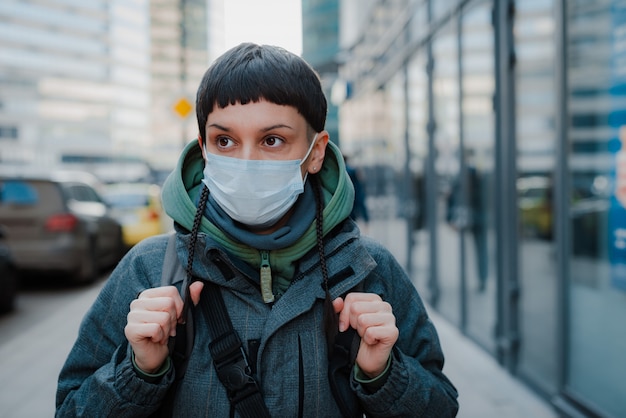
(8, 275)
(59, 224)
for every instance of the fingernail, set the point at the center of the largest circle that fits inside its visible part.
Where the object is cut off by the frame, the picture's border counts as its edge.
(342, 326)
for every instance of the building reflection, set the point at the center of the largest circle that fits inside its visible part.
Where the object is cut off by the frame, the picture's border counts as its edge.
(490, 130)
(99, 79)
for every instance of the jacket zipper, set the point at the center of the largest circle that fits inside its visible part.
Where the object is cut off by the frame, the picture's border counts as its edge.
(266, 278)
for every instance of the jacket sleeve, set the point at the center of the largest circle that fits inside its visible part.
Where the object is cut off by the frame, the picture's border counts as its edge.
(98, 378)
(416, 385)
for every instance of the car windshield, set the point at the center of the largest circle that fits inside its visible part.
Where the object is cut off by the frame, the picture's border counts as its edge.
(126, 200)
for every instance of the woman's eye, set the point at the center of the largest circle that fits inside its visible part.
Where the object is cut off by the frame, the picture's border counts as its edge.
(273, 141)
(223, 142)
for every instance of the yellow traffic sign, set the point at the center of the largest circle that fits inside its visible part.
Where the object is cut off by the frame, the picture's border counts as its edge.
(183, 107)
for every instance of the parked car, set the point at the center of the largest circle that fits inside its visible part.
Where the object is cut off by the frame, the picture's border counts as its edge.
(8, 275)
(59, 223)
(535, 205)
(137, 207)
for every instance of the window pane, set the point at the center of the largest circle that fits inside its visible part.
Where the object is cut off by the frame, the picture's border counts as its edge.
(450, 211)
(479, 142)
(597, 293)
(536, 161)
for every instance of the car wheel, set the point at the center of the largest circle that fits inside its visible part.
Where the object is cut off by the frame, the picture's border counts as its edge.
(8, 291)
(88, 271)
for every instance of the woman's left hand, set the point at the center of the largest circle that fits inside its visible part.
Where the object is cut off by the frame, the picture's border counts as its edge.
(373, 319)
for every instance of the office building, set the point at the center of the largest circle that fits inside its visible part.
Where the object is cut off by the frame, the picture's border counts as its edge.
(320, 47)
(89, 82)
(492, 131)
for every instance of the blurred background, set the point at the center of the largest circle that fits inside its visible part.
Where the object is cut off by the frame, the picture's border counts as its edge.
(487, 134)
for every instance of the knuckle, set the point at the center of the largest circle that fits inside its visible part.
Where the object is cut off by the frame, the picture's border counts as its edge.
(133, 304)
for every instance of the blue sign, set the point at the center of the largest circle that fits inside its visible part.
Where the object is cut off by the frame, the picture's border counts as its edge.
(617, 120)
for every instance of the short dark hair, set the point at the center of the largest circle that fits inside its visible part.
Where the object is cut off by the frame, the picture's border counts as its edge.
(251, 72)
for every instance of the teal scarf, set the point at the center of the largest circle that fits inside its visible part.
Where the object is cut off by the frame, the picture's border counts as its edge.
(182, 187)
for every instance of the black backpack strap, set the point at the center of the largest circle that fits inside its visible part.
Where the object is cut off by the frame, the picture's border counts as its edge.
(226, 348)
(340, 365)
(229, 357)
(180, 346)
(171, 265)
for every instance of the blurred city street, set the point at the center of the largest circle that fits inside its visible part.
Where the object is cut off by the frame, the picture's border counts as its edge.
(488, 138)
(35, 340)
(37, 337)
(485, 388)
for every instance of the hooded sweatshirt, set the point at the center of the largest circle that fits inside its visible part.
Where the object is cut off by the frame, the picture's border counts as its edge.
(279, 250)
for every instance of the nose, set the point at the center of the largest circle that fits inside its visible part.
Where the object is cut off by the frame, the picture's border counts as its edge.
(249, 152)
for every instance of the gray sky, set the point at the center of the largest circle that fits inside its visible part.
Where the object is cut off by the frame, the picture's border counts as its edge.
(276, 22)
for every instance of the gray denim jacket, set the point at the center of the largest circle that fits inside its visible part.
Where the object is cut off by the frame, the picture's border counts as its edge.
(98, 379)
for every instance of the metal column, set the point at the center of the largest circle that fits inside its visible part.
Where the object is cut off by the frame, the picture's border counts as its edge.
(430, 177)
(507, 326)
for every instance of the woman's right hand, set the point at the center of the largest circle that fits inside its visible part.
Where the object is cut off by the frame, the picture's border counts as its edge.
(152, 320)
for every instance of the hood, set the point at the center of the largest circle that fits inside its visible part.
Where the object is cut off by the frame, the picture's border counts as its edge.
(182, 187)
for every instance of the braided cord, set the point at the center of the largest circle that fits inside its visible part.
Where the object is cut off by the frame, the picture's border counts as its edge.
(331, 319)
(204, 196)
(319, 218)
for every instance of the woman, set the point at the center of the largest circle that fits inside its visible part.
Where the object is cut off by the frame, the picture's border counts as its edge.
(261, 206)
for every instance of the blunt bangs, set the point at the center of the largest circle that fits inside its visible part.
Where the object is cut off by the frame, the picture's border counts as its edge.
(250, 73)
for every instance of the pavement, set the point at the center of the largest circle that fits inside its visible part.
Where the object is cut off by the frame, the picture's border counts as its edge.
(31, 360)
(486, 389)
(30, 363)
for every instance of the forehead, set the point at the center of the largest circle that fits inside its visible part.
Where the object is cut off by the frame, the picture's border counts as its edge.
(260, 114)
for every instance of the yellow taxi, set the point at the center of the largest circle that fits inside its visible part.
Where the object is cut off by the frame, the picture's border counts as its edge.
(137, 207)
(535, 205)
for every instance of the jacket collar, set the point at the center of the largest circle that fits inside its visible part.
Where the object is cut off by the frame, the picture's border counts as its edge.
(348, 263)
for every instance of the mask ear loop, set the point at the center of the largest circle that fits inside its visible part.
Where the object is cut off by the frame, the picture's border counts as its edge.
(309, 150)
(306, 173)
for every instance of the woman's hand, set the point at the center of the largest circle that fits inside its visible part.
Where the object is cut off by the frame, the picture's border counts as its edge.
(152, 320)
(373, 319)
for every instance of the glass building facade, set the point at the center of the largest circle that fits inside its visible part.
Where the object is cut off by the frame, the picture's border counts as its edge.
(492, 136)
(74, 76)
(94, 79)
(320, 48)
(187, 35)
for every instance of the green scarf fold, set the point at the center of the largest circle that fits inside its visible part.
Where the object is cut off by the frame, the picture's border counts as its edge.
(180, 192)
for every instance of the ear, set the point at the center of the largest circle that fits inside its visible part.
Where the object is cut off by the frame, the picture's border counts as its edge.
(200, 145)
(318, 152)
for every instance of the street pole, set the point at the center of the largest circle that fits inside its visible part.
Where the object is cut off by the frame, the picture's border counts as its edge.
(183, 66)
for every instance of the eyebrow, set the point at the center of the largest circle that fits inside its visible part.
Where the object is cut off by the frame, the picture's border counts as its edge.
(218, 126)
(266, 129)
(277, 126)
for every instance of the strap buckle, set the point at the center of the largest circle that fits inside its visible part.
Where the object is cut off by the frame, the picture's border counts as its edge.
(234, 371)
(229, 357)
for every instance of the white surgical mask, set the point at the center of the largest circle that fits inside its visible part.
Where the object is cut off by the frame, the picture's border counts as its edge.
(256, 193)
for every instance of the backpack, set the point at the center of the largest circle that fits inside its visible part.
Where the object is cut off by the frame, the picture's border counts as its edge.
(227, 347)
